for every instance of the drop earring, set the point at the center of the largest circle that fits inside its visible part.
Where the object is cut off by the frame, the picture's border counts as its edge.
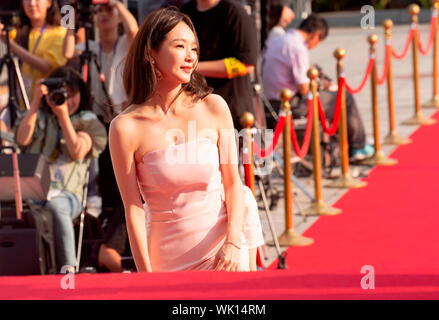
(157, 72)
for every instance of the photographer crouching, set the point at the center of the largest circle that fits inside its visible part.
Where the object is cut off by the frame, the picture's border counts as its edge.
(60, 126)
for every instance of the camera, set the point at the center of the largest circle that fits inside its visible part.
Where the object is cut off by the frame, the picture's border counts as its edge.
(58, 93)
(9, 12)
(86, 9)
(92, 2)
(9, 6)
(323, 80)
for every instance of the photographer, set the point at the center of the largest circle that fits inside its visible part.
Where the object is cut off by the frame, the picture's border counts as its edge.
(59, 126)
(111, 51)
(38, 42)
(285, 65)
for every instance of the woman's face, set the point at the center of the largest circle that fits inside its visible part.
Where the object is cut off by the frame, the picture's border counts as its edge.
(73, 101)
(177, 57)
(36, 9)
(107, 17)
(286, 17)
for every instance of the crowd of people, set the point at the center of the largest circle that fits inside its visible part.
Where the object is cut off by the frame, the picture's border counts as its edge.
(186, 68)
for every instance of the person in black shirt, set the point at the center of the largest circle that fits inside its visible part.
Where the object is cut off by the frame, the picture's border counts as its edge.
(228, 50)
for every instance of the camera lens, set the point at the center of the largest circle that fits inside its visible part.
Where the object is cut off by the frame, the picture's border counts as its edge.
(58, 97)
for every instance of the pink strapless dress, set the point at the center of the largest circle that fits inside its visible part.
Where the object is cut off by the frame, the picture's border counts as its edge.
(185, 208)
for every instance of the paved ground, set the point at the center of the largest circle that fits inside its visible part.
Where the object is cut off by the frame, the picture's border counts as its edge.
(354, 41)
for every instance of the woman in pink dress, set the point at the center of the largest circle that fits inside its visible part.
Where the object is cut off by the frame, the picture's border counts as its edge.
(173, 147)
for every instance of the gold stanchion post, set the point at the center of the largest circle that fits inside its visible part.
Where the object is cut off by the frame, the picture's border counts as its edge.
(392, 137)
(318, 206)
(418, 118)
(378, 157)
(434, 102)
(247, 120)
(289, 237)
(346, 180)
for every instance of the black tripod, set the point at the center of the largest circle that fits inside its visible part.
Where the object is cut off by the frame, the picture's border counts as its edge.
(14, 78)
(86, 59)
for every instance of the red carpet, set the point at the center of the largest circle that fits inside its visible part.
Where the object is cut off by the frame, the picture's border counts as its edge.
(390, 225)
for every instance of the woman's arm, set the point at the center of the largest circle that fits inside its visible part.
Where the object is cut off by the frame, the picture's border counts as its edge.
(68, 47)
(78, 143)
(217, 69)
(24, 55)
(26, 128)
(34, 61)
(233, 188)
(130, 25)
(122, 148)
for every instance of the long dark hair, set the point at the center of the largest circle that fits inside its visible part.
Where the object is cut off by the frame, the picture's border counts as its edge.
(275, 9)
(53, 18)
(75, 83)
(139, 78)
(53, 15)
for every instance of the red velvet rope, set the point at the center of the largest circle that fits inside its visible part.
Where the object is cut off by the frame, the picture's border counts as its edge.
(336, 118)
(301, 152)
(368, 71)
(277, 132)
(247, 169)
(383, 78)
(407, 46)
(430, 38)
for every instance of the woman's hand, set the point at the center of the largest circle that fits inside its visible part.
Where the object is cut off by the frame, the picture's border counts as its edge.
(227, 258)
(40, 91)
(59, 111)
(2, 32)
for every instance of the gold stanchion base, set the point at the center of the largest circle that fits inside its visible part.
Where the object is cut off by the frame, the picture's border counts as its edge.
(433, 103)
(419, 119)
(319, 208)
(379, 159)
(394, 138)
(291, 238)
(346, 181)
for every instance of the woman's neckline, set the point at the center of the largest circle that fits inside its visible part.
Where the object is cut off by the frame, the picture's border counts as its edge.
(149, 153)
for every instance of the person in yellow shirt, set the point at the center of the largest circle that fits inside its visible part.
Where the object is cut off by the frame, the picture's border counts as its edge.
(38, 42)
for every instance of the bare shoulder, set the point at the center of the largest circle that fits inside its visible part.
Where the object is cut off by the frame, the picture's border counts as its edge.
(218, 110)
(124, 123)
(127, 128)
(216, 104)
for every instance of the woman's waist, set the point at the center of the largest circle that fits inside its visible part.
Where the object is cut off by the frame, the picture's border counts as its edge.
(182, 202)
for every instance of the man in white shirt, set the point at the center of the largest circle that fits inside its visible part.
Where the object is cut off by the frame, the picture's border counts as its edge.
(286, 60)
